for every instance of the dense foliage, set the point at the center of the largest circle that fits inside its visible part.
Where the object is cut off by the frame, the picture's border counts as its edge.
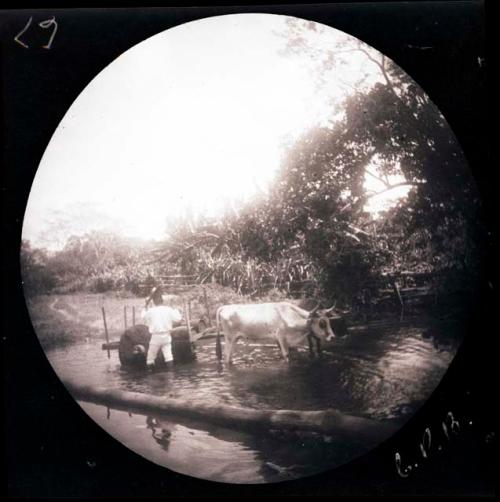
(312, 227)
(97, 262)
(313, 223)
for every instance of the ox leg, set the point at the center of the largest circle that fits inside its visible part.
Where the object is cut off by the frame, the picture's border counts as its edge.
(317, 341)
(231, 341)
(311, 348)
(284, 348)
(291, 351)
(318, 346)
(228, 349)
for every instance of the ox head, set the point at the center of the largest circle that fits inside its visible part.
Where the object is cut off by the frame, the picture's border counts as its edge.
(319, 323)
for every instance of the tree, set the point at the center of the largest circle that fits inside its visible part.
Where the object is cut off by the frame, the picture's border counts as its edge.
(385, 121)
(36, 275)
(314, 221)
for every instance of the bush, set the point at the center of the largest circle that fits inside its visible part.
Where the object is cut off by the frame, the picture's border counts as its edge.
(134, 286)
(273, 295)
(103, 284)
(72, 285)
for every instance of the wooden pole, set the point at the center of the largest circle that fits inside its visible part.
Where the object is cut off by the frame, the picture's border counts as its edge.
(397, 292)
(133, 315)
(186, 315)
(106, 329)
(125, 316)
(218, 346)
(206, 307)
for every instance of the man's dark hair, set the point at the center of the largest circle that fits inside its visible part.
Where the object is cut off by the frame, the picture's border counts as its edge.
(157, 297)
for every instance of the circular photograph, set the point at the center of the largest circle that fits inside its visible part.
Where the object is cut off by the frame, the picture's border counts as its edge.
(248, 251)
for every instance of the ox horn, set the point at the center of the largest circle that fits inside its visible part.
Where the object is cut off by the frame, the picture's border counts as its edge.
(328, 311)
(313, 311)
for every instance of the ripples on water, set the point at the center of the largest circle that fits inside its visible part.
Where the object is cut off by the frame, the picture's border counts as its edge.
(372, 373)
(383, 373)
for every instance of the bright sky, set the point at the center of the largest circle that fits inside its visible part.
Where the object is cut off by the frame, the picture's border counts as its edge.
(194, 117)
(376, 185)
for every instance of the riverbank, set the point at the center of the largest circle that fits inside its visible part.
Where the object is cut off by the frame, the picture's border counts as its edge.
(59, 320)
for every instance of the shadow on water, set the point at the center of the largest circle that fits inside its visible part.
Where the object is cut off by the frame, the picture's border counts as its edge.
(383, 371)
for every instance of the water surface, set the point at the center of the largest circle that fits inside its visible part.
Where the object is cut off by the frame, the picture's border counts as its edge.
(383, 371)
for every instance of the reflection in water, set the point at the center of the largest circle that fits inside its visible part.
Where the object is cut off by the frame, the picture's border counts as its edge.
(379, 372)
(160, 433)
(218, 454)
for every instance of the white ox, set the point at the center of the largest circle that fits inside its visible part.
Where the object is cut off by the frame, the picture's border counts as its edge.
(282, 322)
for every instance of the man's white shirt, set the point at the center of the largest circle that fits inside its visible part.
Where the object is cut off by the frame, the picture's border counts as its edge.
(160, 319)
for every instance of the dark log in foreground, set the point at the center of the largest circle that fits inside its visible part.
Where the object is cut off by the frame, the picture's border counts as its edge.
(328, 421)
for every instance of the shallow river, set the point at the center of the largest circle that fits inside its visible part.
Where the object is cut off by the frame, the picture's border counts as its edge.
(383, 372)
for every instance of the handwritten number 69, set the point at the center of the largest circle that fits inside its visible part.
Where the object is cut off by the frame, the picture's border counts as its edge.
(43, 24)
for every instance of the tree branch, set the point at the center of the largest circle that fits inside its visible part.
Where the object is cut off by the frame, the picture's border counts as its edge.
(363, 200)
(381, 65)
(384, 182)
(392, 187)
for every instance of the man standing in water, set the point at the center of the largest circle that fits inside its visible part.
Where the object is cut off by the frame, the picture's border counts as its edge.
(159, 319)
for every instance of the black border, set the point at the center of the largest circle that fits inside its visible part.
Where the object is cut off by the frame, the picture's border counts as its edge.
(52, 449)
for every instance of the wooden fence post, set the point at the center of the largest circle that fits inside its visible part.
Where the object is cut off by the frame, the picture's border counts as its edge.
(188, 322)
(400, 298)
(125, 316)
(206, 307)
(105, 329)
(133, 315)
